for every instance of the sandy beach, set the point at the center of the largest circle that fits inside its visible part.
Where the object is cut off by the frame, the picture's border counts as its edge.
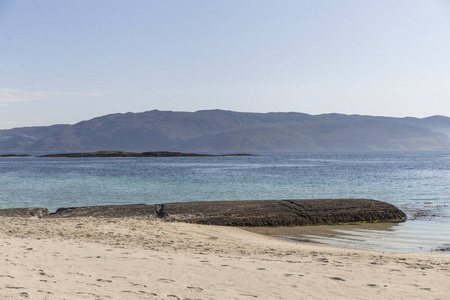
(142, 258)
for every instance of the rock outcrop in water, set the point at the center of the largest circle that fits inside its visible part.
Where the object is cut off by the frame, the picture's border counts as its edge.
(282, 212)
(143, 154)
(252, 213)
(237, 213)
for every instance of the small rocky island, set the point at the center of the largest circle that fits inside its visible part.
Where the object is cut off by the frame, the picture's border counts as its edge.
(133, 154)
(128, 154)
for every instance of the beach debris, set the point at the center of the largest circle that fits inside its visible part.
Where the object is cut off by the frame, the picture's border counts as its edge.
(337, 278)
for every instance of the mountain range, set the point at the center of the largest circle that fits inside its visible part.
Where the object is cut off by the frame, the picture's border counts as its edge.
(220, 130)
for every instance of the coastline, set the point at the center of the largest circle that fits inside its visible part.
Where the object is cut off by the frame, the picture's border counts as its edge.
(381, 236)
(146, 258)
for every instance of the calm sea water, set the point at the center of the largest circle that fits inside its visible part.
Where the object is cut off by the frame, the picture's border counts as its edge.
(411, 180)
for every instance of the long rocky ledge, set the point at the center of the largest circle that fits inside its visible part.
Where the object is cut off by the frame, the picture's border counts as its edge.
(237, 213)
(128, 154)
(143, 154)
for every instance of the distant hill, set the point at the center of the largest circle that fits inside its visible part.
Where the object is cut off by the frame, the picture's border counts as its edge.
(219, 130)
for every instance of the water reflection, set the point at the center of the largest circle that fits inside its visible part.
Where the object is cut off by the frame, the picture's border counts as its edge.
(414, 236)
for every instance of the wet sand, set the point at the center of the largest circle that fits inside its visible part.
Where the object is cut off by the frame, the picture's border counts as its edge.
(141, 258)
(412, 236)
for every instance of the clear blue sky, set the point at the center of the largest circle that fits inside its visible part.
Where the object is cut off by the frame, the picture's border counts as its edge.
(67, 61)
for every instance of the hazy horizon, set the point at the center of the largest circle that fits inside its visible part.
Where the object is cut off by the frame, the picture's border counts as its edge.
(63, 63)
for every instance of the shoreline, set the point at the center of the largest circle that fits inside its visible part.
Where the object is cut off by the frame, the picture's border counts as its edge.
(381, 236)
(146, 258)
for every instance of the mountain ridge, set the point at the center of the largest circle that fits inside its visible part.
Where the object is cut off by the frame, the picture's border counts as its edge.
(224, 130)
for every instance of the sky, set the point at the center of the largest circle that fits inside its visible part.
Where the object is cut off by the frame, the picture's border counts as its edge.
(62, 62)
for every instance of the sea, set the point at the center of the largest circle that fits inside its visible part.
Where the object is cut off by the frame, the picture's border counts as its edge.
(416, 182)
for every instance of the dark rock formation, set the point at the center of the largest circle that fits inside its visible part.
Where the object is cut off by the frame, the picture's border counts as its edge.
(283, 212)
(237, 213)
(95, 154)
(108, 211)
(252, 213)
(24, 212)
(180, 154)
(132, 154)
(15, 155)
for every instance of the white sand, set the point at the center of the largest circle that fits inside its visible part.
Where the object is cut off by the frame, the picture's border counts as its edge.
(87, 258)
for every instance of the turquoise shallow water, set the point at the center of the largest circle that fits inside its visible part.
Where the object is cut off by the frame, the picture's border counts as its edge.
(411, 180)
